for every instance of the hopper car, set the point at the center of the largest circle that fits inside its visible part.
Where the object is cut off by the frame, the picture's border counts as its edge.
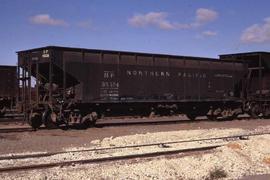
(63, 85)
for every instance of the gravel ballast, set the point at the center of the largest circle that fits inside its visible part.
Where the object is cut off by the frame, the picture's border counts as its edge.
(236, 159)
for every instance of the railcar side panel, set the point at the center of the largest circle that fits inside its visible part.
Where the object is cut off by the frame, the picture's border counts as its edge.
(114, 77)
(78, 83)
(8, 81)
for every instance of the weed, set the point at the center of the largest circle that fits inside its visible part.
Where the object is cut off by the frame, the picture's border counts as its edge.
(217, 173)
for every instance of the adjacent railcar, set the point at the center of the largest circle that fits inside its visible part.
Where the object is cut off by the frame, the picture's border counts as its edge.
(257, 84)
(76, 85)
(8, 88)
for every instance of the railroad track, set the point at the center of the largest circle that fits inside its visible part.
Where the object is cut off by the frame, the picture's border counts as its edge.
(145, 122)
(13, 117)
(108, 123)
(107, 154)
(19, 129)
(133, 121)
(22, 129)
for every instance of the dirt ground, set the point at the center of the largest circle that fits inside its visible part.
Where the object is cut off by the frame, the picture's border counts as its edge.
(57, 139)
(246, 159)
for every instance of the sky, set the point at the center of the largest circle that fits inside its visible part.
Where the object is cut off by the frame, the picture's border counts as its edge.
(205, 28)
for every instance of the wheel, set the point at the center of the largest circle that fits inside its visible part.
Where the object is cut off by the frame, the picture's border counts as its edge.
(213, 113)
(49, 119)
(255, 111)
(2, 112)
(191, 116)
(266, 111)
(35, 120)
(152, 114)
(211, 117)
(232, 117)
(227, 114)
(89, 120)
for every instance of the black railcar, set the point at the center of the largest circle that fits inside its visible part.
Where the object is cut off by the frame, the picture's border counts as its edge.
(76, 85)
(257, 84)
(8, 88)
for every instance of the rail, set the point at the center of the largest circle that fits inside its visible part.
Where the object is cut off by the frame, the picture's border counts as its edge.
(109, 150)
